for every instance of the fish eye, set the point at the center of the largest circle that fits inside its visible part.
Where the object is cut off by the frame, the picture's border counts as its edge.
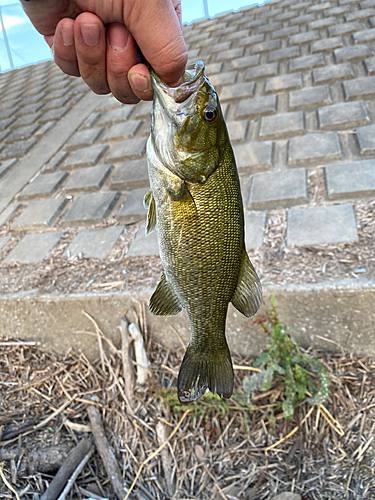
(209, 114)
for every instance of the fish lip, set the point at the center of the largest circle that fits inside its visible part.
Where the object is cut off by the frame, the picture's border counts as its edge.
(193, 76)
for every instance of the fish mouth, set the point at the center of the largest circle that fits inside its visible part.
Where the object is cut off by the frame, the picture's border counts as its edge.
(193, 77)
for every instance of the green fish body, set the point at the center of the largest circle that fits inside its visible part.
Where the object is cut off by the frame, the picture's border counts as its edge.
(196, 206)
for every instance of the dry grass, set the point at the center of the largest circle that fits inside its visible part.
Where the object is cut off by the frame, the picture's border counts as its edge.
(220, 449)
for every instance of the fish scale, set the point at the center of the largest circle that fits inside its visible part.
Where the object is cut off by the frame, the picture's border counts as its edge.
(196, 206)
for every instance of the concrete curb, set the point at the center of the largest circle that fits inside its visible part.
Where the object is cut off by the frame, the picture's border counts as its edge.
(342, 312)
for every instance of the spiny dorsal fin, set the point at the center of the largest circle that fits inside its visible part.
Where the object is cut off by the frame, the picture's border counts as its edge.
(164, 301)
(149, 202)
(248, 294)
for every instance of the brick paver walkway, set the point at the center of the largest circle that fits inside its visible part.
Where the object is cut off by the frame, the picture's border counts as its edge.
(297, 85)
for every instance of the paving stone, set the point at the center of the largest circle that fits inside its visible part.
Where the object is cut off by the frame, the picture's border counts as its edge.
(88, 179)
(278, 189)
(310, 97)
(372, 22)
(83, 138)
(110, 102)
(306, 62)
(211, 69)
(142, 245)
(40, 214)
(351, 180)
(4, 124)
(132, 148)
(85, 157)
(359, 14)
(44, 129)
(314, 148)
(259, 106)
(115, 115)
(321, 225)
(55, 162)
(366, 140)
(43, 186)
(23, 121)
(285, 32)
(131, 175)
(364, 36)
(353, 53)
(262, 71)
(22, 133)
(94, 243)
(34, 248)
(122, 130)
(5, 166)
(3, 135)
(370, 66)
(305, 19)
(4, 240)
(245, 62)
(218, 47)
(133, 209)
(54, 114)
(231, 54)
(18, 149)
(268, 27)
(237, 130)
(9, 212)
(283, 83)
(265, 46)
(333, 73)
(237, 91)
(327, 44)
(282, 125)
(359, 88)
(284, 54)
(343, 115)
(255, 223)
(323, 23)
(143, 110)
(306, 37)
(91, 121)
(223, 79)
(338, 11)
(285, 17)
(319, 7)
(366, 4)
(250, 40)
(88, 209)
(253, 156)
(55, 103)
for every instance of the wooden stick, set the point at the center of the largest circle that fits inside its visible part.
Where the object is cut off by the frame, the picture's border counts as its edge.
(106, 452)
(66, 470)
(75, 474)
(153, 455)
(6, 482)
(140, 354)
(127, 362)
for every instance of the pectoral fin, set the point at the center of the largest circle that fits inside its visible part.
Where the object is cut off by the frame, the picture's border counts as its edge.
(248, 294)
(164, 301)
(149, 202)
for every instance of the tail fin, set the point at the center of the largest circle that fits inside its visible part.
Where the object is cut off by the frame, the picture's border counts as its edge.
(200, 370)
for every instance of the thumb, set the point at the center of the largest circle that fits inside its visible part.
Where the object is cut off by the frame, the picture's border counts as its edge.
(155, 25)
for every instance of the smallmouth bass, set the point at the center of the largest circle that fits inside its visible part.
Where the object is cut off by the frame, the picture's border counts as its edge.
(196, 206)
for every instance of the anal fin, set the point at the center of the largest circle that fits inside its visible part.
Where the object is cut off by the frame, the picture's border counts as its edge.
(248, 294)
(149, 203)
(164, 301)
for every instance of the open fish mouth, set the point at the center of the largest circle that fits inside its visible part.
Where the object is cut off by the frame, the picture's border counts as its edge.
(194, 74)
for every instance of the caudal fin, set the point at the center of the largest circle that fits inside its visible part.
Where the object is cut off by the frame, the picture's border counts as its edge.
(200, 371)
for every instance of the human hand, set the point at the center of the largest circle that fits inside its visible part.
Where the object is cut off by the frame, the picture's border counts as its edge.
(97, 40)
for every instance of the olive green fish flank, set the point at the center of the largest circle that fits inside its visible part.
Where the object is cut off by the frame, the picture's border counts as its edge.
(196, 207)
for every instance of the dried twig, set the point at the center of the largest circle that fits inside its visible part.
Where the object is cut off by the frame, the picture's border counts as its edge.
(6, 482)
(75, 474)
(106, 452)
(140, 354)
(127, 362)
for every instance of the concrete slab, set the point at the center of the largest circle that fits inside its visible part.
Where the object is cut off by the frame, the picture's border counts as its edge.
(90, 209)
(83, 138)
(142, 245)
(94, 243)
(366, 140)
(40, 214)
(255, 223)
(278, 189)
(282, 125)
(4, 240)
(43, 186)
(321, 225)
(343, 115)
(131, 175)
(351, 180)
(6, 166)
(128, 150)
(133, 209)
(88, 179)
(85, 157)
(314, 148)
(34, 248)
(123, 130)
(254, 156)
(9, 212)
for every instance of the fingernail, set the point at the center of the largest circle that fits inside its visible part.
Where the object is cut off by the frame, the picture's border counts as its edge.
(67, 35)
(139, 82)
(118, 36)
(90, 34)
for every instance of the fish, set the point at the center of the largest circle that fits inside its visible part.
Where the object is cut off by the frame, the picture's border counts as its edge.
(195, 204)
